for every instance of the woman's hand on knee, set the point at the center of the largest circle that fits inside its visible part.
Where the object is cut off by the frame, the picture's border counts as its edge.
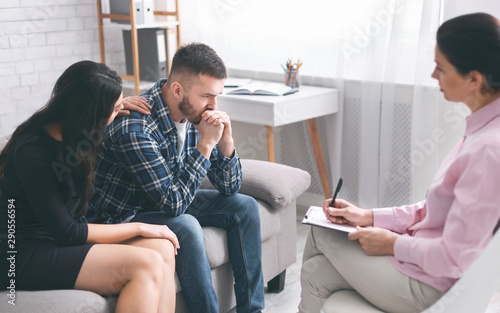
(345, 212)
(159, 231)
(374, 240)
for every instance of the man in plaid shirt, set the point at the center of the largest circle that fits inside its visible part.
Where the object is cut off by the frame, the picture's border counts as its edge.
(150, 168)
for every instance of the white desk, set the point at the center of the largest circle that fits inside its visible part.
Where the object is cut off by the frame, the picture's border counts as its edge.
(271, 111)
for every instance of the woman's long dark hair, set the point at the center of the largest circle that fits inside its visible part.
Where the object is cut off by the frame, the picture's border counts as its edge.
(81, 102)
(472, 42)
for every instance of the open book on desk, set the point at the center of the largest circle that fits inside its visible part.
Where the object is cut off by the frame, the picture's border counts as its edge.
(316, 217)
(263, 89)
(234, 82)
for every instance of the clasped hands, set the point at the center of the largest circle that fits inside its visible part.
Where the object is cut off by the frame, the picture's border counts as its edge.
(373, 240)
(214, 127)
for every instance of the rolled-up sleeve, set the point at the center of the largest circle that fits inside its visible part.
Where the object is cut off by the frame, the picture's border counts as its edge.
(225, 172)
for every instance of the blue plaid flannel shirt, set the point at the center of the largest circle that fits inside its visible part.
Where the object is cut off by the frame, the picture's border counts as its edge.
(139, 168)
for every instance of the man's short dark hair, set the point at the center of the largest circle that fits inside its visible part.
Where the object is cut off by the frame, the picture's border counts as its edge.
(194, 59)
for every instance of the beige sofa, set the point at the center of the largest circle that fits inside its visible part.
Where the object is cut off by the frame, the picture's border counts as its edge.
(274, 186)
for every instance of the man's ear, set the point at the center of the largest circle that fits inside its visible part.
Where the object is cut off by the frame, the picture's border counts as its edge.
(476, 79)
(177, 90)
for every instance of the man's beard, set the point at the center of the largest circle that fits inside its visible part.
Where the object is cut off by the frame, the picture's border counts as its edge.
(187, 109)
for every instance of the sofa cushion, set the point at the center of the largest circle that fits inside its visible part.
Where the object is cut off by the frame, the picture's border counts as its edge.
(216, 238)
(68, 301)
(215, 246)
(270, 221)
(280, 186)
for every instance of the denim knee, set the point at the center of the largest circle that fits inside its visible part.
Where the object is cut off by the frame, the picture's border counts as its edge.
(247, 209)
(188, 230)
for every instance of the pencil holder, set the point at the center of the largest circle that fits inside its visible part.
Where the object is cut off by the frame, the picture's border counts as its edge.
(292, 78)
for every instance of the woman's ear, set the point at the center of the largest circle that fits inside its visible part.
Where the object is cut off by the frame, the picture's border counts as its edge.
(475, 79)
(177, 90)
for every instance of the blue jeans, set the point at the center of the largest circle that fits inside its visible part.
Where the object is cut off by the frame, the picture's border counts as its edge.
(239, 216)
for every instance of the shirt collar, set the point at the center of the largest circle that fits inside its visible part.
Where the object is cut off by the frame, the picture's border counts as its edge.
(160, 111)
(483, 116)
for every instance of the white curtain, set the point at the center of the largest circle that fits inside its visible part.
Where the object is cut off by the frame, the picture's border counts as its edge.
(393, 128)
(399, 100)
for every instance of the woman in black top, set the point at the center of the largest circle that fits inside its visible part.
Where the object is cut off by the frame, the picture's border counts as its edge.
(46, 180)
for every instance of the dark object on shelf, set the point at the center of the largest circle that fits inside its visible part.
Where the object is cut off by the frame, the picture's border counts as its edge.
(152, 53)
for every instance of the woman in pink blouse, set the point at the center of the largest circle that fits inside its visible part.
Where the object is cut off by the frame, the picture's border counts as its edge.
(408, 256)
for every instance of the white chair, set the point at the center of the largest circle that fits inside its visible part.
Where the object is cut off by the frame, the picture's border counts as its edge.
(472, 293)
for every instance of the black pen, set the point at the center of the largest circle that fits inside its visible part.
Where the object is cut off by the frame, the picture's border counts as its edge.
(339, 185)
(332, 203)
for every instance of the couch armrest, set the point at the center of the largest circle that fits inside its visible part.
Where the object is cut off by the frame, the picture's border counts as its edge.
(277, 184)
(274, 183)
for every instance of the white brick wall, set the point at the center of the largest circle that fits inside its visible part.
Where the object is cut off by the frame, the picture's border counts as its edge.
(39, 39)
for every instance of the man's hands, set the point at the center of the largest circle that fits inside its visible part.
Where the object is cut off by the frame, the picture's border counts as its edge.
(215, 127)
(135, 103)
(373, 240)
